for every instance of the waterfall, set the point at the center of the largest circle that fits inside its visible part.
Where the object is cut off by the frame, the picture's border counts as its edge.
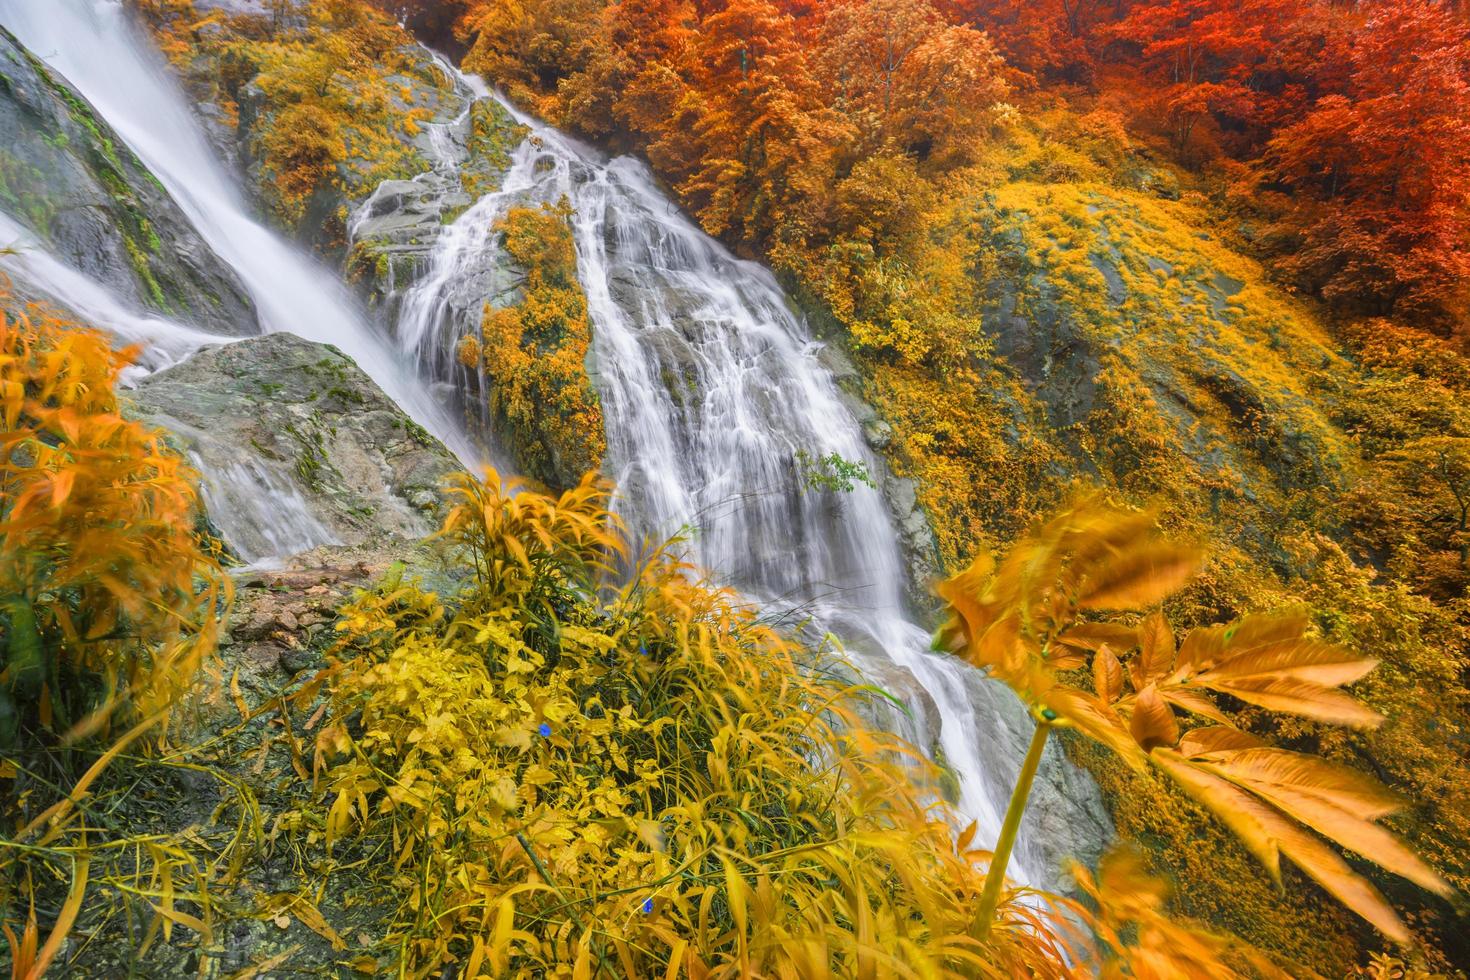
(713, 391)
(258, 509)
(95, 46)
(161, 342)
(715, 399)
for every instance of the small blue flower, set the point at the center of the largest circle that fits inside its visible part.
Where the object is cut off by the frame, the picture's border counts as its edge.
(647, 906)
(545, 730)
(643, 649)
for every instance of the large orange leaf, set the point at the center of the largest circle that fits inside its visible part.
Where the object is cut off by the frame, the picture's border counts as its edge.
(1263, 765)
(1299, 698)
(1351, 889)
(1107, 675)
(1156, 647)
(1094, 636)
(1216, 738)
(1095, 719)
(1139, 577)
(1153, 723)
(1258, 826)
(1194, 702)
(1266, 796)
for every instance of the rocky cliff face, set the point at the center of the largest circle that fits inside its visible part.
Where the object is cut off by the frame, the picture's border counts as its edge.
(66, 176)
(1130, 328)
(297, 447)
(467, 148)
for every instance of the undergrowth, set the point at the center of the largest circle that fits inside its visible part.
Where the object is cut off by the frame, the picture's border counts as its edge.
(554, 776)
(109, 605)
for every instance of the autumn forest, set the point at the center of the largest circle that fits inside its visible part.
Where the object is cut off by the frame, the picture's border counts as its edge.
(735, 488)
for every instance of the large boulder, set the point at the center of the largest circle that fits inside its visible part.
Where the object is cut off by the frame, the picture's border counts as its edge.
(298, 448)
(68, 178)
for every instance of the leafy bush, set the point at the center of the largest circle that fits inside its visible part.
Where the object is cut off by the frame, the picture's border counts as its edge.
(100, 564)
(108, 606)
(1025, 621)
(557, 773)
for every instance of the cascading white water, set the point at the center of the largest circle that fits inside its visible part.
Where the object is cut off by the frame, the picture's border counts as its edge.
(460, 270)
(161, 342)
(713, 393)
(259, 510)
(95, 46)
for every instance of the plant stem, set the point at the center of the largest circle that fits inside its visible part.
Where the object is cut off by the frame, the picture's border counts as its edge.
(995, 878)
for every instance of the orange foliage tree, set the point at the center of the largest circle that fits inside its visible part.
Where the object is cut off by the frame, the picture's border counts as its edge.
(1213, 58)
(1382, 168)
(906, 78)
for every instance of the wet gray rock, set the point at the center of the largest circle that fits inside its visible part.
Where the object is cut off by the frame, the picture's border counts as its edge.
(458, 154)
(1042, 339)
(1066, 819)
(916, 540)
(68, 178)
(395, 229)
(297, 447)
(321, 226)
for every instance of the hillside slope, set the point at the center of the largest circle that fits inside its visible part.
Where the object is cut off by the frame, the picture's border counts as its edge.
(1036, 301)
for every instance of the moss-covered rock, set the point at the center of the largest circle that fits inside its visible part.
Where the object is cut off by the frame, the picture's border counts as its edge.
(70, 180)
(297, 447)
(1144, 340)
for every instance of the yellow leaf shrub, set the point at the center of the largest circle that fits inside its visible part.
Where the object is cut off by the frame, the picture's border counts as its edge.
(550, 775)
(534, 353)
(100, 564)
(321, 88)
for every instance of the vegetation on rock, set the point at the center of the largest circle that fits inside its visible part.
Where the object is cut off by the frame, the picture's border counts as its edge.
(534, 352)
(327, 93)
